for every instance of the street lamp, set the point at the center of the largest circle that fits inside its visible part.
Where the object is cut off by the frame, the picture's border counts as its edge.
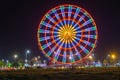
(26, 55)
(90, 57)
(113, 56)
(15, 56)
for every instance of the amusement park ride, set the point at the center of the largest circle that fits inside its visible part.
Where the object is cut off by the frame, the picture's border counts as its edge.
(67, 34)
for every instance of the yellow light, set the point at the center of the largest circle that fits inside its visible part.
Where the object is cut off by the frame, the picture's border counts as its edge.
(62, 67)
(90, 57)
(67, 33)
(113, 56)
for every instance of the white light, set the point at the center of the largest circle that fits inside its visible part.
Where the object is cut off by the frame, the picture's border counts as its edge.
(15, 56)
(7, 61)
(108, 55)
(93, 54)
(3, 60)
(28, 51)
(70, 57)
(25, 60)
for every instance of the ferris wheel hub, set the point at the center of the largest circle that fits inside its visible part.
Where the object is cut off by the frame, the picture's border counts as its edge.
(67, 34)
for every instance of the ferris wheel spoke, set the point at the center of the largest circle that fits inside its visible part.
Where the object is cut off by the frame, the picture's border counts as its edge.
(76, 13)
(64, 57)
(51, 51)
(46, 45)
(77, 52)
(90, 36)
(72, 59)
(57, 27)
(64, 54)
(63, 13)
(58, 41)
(56, 55)
(77, 27)
(44, 38)
(76, 39)
(87, 22)
(69, 23)
(58, 51)
(46, 24)
(44, 31)
(87, 29)
(56, 14)
(55, 36)
(73, 23)
(88, 43)
(58, 17)
(69, 46)
(50, 18)
(72, 44)
(84, 49)
(69, 11)
(55, 31)
(80, 19)
(79, 31)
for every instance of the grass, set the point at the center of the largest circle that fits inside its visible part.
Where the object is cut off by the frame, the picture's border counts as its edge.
(104, 73)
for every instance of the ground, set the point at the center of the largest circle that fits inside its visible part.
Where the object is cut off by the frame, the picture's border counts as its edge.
(104, 73)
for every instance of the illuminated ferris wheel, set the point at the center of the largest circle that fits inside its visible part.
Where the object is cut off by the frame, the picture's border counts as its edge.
(67, 34)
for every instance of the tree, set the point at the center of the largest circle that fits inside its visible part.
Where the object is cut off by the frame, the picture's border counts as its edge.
(105, 62)
(20, 63)
(2, 63)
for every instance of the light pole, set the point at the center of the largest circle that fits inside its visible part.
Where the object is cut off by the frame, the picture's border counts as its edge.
(15, 57)
(113, 58)
(26, 55)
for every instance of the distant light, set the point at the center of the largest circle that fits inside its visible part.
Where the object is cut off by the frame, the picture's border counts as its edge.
(62, 67)
(25, 60)
(93, 54)
(3, 60)
(7, 61)
(113, 56)
(90, 57)
(108, 55)
(15, 56)
(28, 51)
(70, 57)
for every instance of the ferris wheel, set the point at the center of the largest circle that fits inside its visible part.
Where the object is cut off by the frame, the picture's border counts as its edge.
(67, 34)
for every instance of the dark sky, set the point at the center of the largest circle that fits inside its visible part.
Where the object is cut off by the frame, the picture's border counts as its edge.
(19, 21)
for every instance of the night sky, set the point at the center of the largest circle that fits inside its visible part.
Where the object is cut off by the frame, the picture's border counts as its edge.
(19, 22)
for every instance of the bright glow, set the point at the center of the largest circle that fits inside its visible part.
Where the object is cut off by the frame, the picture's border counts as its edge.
(70, 57)
(113, 56)
(15, 56)
(93, 54)
(28, 51)
(108, 55)
(90, 57)
(67, 33)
